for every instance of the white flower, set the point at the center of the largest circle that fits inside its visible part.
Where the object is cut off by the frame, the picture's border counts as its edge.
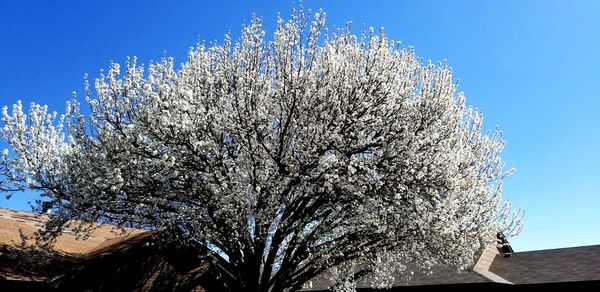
(295, 151)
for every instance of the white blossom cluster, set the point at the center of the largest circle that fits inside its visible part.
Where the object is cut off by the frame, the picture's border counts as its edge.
(318, 152)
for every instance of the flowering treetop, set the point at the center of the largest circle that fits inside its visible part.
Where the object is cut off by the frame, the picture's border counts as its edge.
(315, 153)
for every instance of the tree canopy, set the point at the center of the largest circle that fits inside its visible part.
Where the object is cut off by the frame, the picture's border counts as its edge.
(314, 152)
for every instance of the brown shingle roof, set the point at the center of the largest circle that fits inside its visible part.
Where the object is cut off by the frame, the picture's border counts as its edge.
(547, 266)
(442, 275)
(13, 222)
(106, 261)
(22, 260)
(138, 263)
(133, 262)
(438, 275)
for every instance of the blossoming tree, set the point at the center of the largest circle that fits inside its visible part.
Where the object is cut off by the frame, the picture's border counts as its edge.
(314, 153)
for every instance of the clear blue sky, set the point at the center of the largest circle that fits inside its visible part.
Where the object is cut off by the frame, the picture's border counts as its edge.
(532, 66)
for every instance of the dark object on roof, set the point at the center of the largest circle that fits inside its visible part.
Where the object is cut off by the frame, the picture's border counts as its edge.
(550, 266)
(504, 246)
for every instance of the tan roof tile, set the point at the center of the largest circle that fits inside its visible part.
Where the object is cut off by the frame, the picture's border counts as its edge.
(13, 222)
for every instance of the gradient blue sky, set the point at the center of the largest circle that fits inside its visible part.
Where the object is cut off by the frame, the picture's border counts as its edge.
(532, 66)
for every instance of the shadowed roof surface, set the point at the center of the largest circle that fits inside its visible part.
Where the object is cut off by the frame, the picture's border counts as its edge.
(580, 263)
(133, 261)
(438, 275)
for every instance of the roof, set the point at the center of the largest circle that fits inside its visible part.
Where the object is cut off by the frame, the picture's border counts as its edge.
(139, 263)
(108, 258)
(547, 266)
(438, 275)
(21, 260)
(13, 222)
(442, 275)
